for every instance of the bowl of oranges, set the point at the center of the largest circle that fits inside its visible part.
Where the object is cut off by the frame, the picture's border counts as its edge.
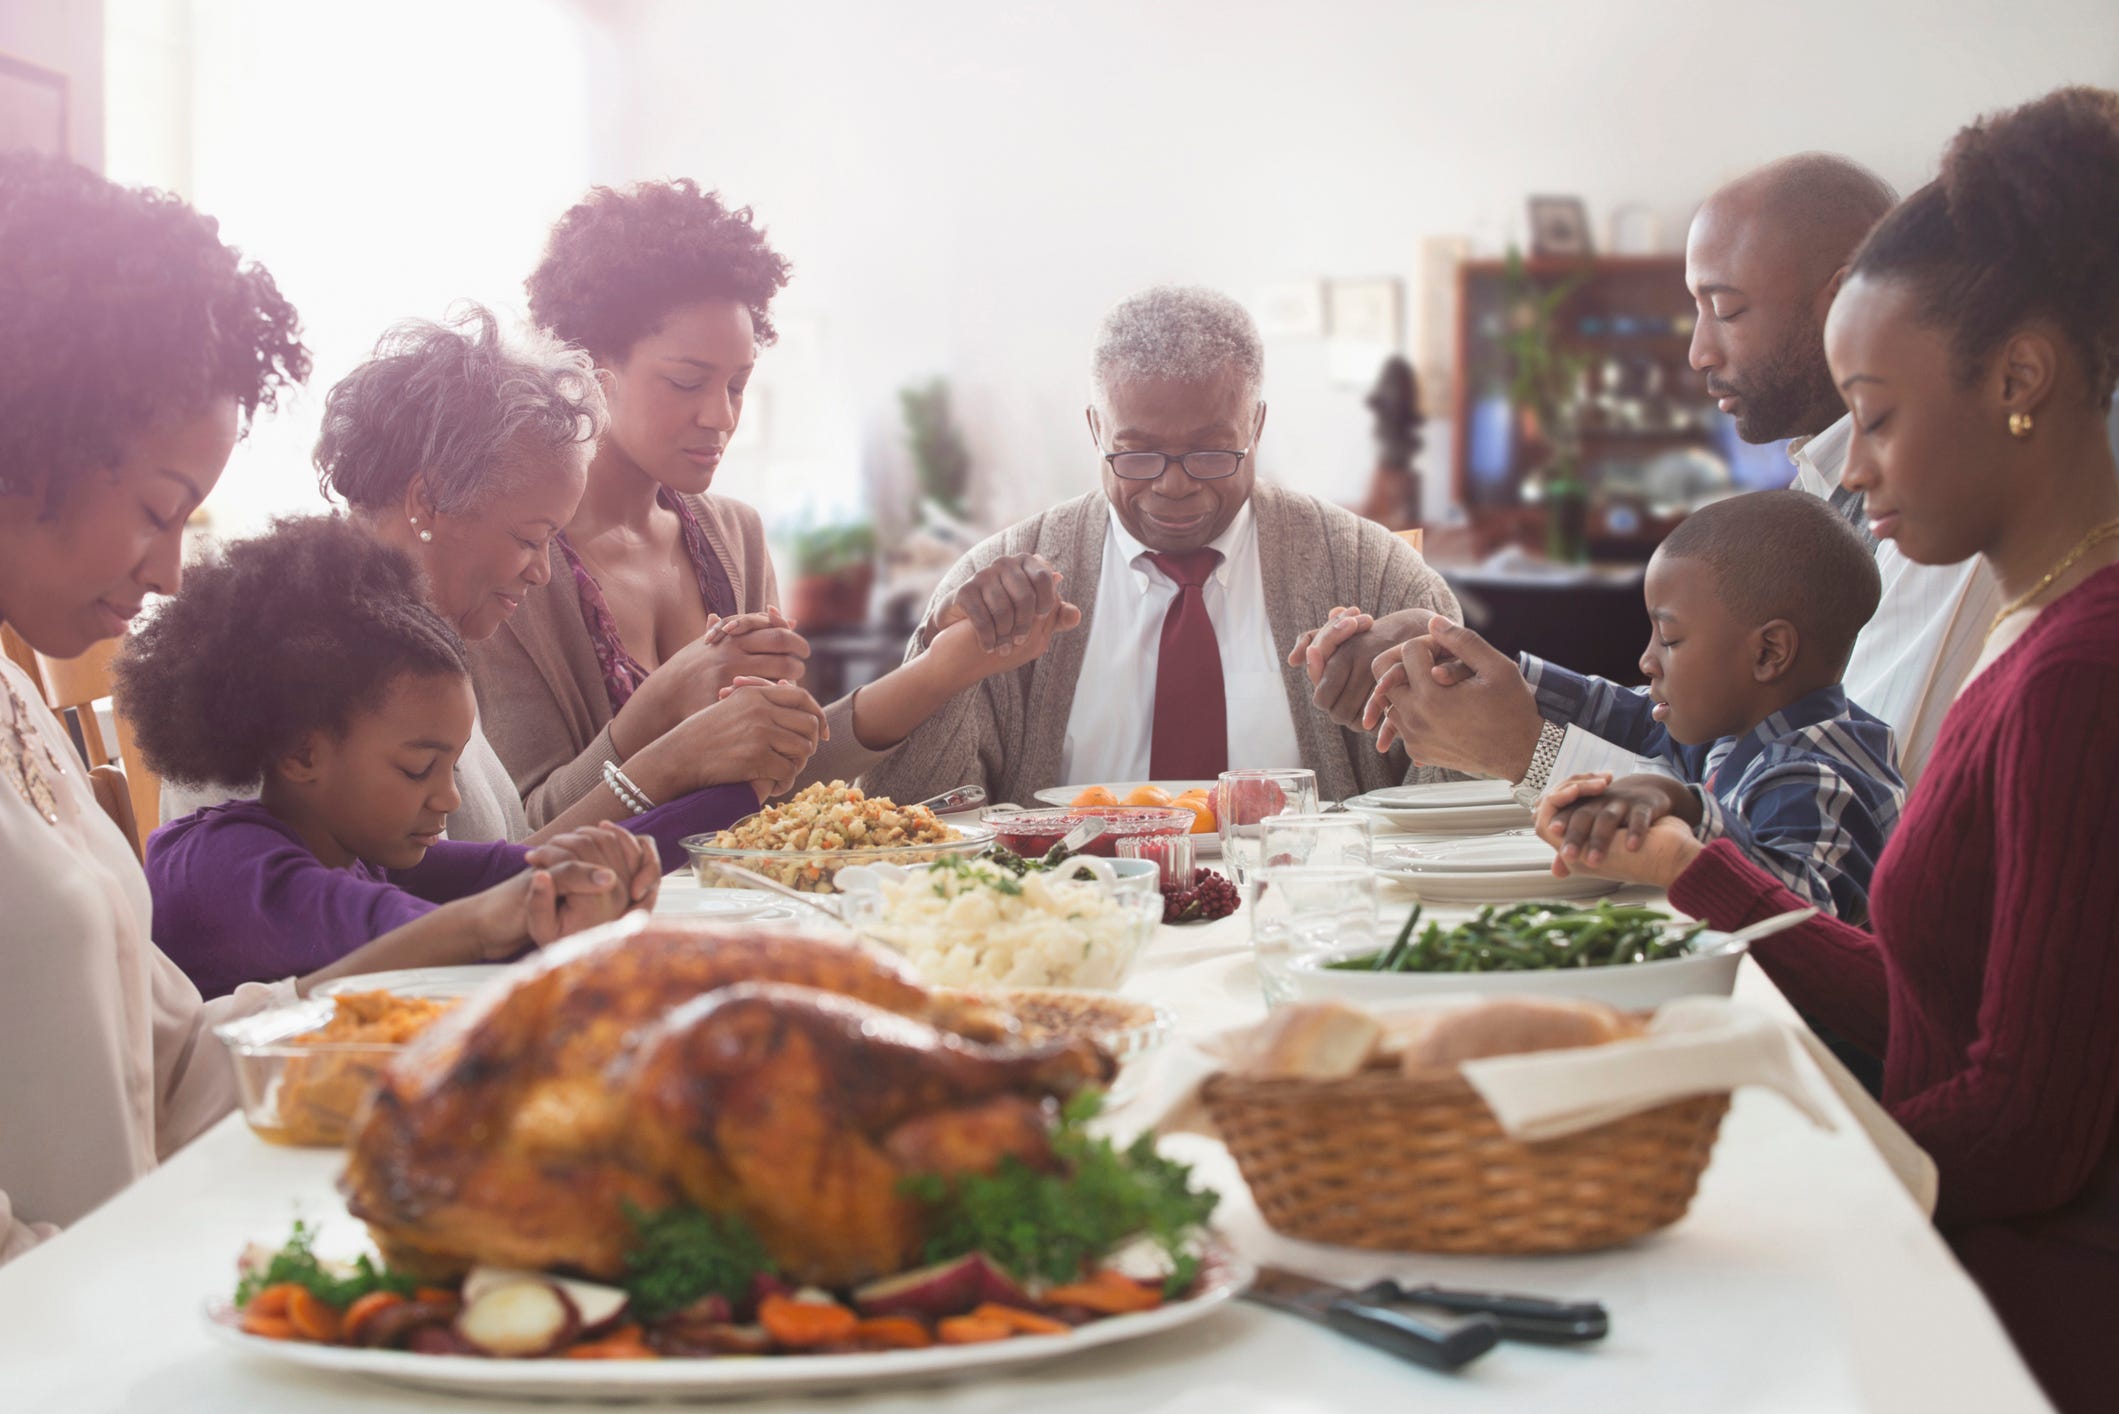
(1195, 796)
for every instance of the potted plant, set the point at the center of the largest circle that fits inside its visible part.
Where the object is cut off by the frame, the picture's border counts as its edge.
(938, 453)
(1545, 385)
(835, 568)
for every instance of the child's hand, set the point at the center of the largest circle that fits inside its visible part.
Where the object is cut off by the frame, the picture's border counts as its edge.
(1582, 817)
(632, 858)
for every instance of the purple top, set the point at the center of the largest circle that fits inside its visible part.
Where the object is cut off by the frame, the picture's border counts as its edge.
(239, 898)
(703, 810)
(622, 672)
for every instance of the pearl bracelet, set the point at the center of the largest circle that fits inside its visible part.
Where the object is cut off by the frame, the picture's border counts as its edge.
(621, 785)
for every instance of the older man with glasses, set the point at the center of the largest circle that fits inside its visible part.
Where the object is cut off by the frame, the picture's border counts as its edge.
(1192, 579)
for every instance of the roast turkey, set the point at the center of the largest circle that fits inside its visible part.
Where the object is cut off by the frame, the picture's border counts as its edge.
(789, 1079)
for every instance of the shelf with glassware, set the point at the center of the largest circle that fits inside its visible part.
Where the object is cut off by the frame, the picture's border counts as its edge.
(1582, 429)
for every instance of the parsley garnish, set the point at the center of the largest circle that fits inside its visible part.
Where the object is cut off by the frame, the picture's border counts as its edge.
(1055, 1225)
(297, 1262)
(681, 1254)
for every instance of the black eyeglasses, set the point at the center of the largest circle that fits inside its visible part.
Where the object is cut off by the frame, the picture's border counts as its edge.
(1200, 466)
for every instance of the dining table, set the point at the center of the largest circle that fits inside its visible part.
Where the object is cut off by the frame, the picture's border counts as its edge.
(1805, 1279)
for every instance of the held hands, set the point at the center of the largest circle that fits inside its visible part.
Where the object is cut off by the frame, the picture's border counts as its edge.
(1455, 701)
(1339, 659)
(1637, 829)
(958, 647)
(577, 880)
(759, 731)
(759, 645)
(1005, 602)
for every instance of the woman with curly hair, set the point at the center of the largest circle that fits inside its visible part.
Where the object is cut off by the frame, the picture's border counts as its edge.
(307, 659)
(665, 610)
(468, 451)
(134, 347)
(1976, 341)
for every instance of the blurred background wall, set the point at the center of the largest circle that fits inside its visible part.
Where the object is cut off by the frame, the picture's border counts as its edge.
(963, 188)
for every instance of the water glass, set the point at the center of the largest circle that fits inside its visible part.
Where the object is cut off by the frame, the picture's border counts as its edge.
(1244, 799)
(1302, 910)
(1171, 855)
(1318, 841)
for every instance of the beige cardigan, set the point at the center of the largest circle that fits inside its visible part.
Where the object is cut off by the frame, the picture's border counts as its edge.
(1005, 734)
(540, 690)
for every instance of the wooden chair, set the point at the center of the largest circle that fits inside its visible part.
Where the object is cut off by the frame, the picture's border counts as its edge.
(115, 796)
(21, 655)
(1412, 537)
(76, 685)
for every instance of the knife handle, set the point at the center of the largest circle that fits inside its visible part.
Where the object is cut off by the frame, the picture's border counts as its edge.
(1521, 1317)
(1410, 1338)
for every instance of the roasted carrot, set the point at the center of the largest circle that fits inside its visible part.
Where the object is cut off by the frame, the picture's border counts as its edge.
(972, 1330)
(271, 1327)
(366, 1309)
(892, 1333)
(272, 1301)
(624, 1343)
(1108, 1293)
(1021, 1321)
(800, 1325)
(443, 1294)
(313, 1317)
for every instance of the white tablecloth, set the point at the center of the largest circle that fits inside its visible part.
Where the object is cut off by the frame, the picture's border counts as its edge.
(1804, 1279)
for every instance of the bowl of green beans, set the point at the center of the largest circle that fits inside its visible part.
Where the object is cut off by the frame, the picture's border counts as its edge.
(1624, 955)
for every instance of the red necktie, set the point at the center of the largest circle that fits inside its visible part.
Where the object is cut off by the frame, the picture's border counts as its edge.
(1191, 734)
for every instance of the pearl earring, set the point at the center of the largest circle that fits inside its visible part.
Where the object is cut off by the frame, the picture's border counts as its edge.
(427, 535)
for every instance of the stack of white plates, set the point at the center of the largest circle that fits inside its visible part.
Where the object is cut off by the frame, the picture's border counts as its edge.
(1448, 807)
(1515, 867)
(682, 897)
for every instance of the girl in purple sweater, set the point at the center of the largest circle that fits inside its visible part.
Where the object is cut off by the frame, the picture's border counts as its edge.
(308, 659)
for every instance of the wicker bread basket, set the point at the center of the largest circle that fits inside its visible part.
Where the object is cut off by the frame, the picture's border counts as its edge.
(1419, 1164)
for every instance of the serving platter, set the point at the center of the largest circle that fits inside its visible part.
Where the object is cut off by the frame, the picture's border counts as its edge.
(1206, 846)
(1223, 1276)
(1446, 807)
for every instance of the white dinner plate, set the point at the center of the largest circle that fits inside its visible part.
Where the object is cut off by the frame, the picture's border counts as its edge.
(1207, 846)
(690, 902)
(1458, 820)
(1226, 1275)
(1510, 887)
(436, 982)
(1442, 795)
(1510, 852)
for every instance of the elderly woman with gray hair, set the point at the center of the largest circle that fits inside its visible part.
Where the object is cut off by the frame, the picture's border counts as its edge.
(1193, 579)
(469, 450)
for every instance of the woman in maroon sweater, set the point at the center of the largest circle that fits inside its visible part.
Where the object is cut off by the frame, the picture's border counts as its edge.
(1976, 342)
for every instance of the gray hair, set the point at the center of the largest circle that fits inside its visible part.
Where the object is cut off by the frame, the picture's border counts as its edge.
(454, 402)
(1183, 332)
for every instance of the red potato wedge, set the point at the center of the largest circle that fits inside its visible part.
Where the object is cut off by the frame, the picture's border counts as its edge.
(519, 1320)
(397, 1326)
(945, 1289)
(365, 1310)
(700, 1340)
(597, 1307)
(439, 1340)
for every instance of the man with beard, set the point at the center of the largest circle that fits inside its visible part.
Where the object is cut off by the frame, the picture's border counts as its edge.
(1764, 258)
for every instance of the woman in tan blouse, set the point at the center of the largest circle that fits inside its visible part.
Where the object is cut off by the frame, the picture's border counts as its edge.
(664, 599)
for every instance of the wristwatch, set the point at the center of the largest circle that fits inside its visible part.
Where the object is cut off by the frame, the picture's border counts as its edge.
(1543, 757)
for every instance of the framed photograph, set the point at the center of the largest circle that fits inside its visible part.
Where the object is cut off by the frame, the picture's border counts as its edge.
(33, 108)
(1559, 225)
(1293, 310)
(1364, 311)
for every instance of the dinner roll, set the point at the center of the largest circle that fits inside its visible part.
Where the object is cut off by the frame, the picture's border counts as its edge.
(1505, 1027)
(1312, 1041)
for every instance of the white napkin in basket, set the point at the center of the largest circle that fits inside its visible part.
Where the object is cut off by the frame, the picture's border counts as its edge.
(1694, 1046)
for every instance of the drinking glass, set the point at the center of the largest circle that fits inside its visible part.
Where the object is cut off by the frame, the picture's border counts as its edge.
(1301, 910)
(1318, 841)
(1171, 855)
(1244, 799)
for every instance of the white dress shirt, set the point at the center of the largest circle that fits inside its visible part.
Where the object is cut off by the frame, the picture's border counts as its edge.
(1110, 727)
(1925, 636)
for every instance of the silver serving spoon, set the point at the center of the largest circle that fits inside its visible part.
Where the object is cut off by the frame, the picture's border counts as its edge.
(1077, 839)
(949, 802)
(755, 880)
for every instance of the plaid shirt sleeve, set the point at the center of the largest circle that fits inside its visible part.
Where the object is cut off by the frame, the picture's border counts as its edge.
(1620, 715)
(1814, 822)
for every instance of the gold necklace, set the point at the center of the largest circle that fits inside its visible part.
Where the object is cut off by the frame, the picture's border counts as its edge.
(2083, 546)
(18, 760)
